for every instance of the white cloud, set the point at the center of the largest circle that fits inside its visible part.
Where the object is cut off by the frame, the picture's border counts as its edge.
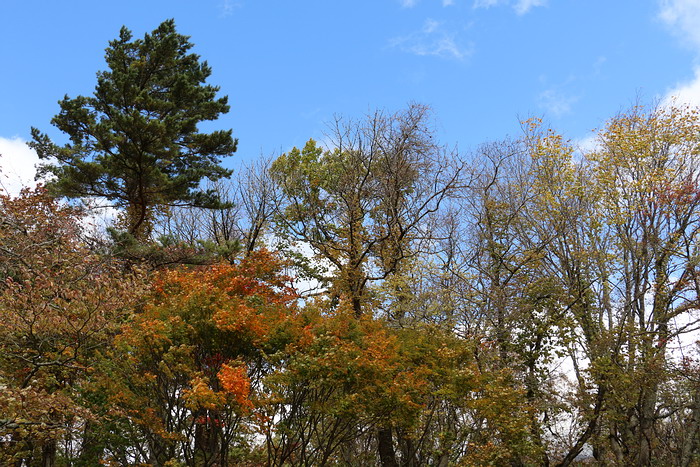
(682, 18)
(433, 40)
(18, 169)
(523, 6)
(448, 2)
(520, 6)
(587, 144)
(17, 165)
(227, 6)
(685, 93)
(556, 102)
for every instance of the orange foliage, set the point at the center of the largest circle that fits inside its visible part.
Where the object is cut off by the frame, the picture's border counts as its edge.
(234, 380)
(194, 343)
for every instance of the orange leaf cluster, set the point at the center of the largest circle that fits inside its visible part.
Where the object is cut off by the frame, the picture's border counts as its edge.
(234, 380)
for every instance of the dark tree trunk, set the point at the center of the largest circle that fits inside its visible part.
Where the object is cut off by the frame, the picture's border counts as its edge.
(385, 445)
(92, 450)
(48, 454)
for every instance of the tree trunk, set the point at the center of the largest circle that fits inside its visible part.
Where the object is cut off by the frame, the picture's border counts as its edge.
(646, 426)
(91, 450)
(48, 453)
(689, 450)
(385, 445)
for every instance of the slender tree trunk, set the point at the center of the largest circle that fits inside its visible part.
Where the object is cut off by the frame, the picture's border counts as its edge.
(408, 452)
(207, 449)
(91, 450)
(646, 426)
(689, 450)
(48, 453)
(576, 449)
(385, 446)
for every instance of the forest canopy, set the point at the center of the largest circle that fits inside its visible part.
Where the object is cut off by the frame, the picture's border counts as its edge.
(378, 300)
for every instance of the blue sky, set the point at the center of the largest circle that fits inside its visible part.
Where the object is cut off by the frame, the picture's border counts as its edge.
(290, 66)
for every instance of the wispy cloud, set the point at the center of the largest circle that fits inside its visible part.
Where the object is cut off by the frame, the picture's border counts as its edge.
(558, 98)
(434, 39)
(519, 6)
(523, 6)
(598, 65)
(226, 7)
(556, 102)
(682, 18)
(431, 26)
(412, 3)
(488, 3)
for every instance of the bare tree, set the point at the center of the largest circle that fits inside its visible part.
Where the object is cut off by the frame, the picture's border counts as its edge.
(243, 220)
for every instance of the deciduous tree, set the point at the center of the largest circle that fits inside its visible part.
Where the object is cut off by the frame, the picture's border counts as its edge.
(367, 203)
(60, 306)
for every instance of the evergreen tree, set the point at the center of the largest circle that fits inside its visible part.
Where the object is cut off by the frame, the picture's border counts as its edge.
(135, 142)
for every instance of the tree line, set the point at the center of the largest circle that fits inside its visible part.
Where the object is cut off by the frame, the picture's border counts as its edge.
(380, 299)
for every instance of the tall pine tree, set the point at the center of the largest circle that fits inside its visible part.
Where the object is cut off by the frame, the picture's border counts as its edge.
(135, 141)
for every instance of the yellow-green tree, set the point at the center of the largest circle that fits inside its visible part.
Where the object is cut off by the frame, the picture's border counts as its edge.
(647, 169)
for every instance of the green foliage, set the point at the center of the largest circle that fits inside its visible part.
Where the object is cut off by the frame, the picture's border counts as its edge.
(166, 252)
(135, 142)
